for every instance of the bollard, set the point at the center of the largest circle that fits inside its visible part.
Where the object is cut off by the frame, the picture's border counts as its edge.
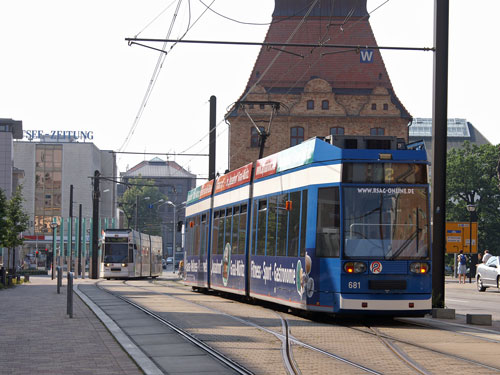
(18, 279)
(59, 279)
(26, 278)
(69, 309)
(3, 271)
(9, 279)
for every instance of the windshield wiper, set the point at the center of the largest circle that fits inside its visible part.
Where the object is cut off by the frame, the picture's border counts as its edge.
(405, 244)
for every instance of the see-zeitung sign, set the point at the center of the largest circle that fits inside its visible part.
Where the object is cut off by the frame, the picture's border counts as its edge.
(59, 134)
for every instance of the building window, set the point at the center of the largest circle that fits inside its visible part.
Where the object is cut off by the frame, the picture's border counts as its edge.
(296, 135)
(386, 107)
(325, 104)
(254, 136)
(374, 106)
(337, 131)
(262, 106)
(310, 104)
(377, 131)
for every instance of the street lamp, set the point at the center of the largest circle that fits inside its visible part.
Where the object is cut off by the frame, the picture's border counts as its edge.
(471, 208)
(54, 226)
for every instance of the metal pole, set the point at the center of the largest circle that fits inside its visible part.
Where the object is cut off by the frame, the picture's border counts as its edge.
(54, 234)
(69, 300)
(470, 248)
(212, 141)
(173, 239)
(59, 279)
(439, 138)
(80, 240)
(136, 203)
(70, 230)
(95, 221)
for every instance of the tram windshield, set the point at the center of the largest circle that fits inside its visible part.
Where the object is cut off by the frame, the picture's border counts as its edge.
(386, 222)
(116, 250)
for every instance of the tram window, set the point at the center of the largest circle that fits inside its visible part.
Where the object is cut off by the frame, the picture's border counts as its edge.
(271, 226)
(328, 224)
(253, 237)
(215, 234)
(203, 237)
(303, 224)
(282, 224)
(242, 231)
(294, 225)
(220, 241)
(261, 230)
(384, 173)
(197, 236)
(234, 233)
(243, 208)
(236, 210)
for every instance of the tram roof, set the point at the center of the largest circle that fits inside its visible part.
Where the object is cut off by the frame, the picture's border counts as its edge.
(312, 151)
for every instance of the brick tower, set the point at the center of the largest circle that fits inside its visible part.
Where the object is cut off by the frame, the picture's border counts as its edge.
(323, 90)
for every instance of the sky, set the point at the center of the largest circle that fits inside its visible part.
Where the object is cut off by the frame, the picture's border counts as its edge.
(65, 65)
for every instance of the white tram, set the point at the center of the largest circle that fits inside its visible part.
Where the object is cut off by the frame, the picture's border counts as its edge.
(128, 254)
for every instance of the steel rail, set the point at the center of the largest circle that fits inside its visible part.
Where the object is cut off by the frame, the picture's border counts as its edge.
(239, 369)
(276, 334)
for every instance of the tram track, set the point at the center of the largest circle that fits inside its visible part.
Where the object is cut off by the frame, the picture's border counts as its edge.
(193, 340)
(286, 339)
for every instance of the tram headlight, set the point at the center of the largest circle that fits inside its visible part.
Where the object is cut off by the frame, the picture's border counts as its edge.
(124, 264)
(421, 268)
(355, 267)
(107, 264)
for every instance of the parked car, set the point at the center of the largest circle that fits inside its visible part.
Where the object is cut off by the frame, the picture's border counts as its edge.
(488, 275)
(163, 264)
(170, 260)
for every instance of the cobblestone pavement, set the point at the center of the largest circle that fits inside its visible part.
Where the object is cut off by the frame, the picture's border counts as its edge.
(37, 337)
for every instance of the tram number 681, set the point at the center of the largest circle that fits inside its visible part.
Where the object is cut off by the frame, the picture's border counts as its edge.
(354, 285)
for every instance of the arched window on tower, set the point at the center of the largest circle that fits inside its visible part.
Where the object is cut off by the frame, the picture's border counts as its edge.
(325, 105)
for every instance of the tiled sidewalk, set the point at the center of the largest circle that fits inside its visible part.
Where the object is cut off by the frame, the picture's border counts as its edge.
(37, 337)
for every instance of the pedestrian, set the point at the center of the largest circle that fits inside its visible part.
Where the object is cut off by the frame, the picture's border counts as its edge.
(486, 256)
(462, 266)
(479, 257)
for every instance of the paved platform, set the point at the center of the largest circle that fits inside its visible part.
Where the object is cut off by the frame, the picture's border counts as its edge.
(37, 337)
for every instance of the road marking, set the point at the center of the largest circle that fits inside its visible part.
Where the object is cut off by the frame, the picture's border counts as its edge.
(456, 300)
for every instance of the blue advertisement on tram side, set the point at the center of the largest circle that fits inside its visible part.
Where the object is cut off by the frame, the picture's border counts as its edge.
(228, 270)
(195, 271)
(286, 279)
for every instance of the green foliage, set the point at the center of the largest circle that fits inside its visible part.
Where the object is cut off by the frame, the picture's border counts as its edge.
(3, 216)
(471, 178)
(17, 220)
(144, 193)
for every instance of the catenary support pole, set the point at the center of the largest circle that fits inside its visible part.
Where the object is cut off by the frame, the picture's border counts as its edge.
(95, 221)
(439, 138)
(212, 148)
(80, 240)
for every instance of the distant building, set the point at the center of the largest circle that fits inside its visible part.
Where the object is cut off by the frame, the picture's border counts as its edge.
(173, 181)
(9, 176)
(321, 91)
(50, 166)
(459, 131)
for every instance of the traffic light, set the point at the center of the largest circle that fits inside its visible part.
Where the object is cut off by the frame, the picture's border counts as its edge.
(179, 226)
(36, 253)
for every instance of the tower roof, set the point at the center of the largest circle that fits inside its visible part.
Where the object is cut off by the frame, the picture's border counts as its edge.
(345, 22)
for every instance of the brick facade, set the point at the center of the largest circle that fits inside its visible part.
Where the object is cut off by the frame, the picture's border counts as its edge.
(344, 91)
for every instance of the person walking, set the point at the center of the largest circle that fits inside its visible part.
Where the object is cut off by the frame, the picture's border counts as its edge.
(462, 267)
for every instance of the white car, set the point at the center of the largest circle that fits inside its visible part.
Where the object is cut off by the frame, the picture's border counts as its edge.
(488, 274)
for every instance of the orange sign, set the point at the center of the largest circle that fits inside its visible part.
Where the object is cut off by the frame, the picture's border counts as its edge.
(458, 236)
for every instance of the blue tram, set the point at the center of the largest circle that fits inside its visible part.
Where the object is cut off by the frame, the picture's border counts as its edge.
(338, 224)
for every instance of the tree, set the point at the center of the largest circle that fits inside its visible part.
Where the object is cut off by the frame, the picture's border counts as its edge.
(3, 217)
(17, 222)
(471, 178)
(148, 197)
